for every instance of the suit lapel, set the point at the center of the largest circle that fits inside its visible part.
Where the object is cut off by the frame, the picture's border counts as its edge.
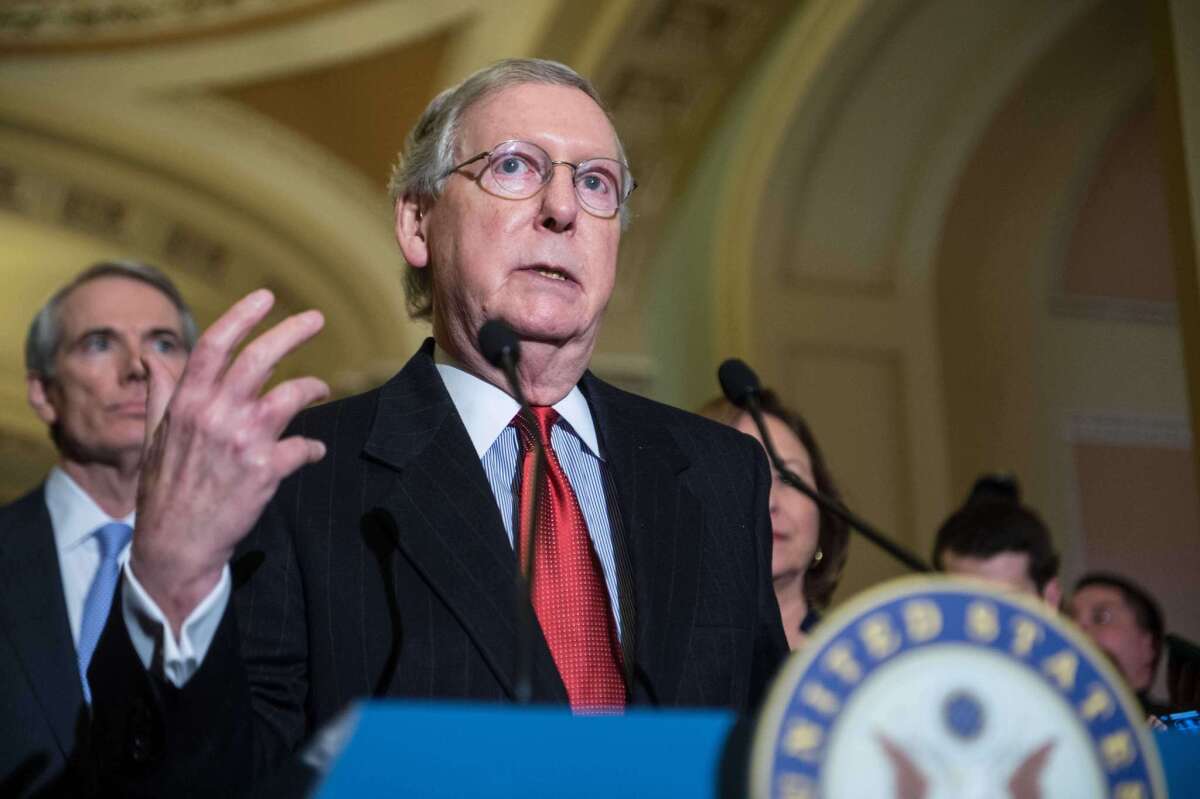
(446, 520)
(661, 517)
(33, 614)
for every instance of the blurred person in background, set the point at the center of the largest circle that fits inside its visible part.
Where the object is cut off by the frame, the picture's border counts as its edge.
(1126, 623)
(994, 537)
(61, 545)
(808, 544)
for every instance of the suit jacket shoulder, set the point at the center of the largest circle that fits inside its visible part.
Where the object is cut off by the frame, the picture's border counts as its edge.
(39, 679)
(694, 494)
(695, 435)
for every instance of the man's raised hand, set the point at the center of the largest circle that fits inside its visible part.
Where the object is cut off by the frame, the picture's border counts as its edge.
(213, 456)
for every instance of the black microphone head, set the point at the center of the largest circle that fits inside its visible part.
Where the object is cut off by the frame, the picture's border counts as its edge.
(738, 381)
(496, 339)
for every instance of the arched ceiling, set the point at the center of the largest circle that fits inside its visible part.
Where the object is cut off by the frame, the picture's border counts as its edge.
(60, 25)
(244, 142)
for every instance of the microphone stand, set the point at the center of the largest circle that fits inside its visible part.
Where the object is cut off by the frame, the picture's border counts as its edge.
(828, 503)
(524, 544)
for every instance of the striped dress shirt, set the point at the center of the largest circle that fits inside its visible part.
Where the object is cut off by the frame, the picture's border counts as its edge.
(487, 412)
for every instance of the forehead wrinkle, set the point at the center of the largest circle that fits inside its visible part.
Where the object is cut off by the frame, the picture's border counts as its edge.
(466, 126)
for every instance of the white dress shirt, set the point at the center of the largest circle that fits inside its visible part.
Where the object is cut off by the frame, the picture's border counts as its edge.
(486, 412)
(75, 517)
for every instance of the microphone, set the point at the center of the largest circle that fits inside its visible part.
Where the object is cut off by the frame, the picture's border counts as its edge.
(741, 387)
(738, 382)
(498, 343)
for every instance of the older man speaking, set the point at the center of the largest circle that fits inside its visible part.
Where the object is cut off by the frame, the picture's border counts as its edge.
(373, 546)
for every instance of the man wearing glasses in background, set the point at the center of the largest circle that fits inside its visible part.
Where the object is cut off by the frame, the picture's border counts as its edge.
(384, 563)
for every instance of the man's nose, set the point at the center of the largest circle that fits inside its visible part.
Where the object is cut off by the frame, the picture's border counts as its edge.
(135, 369)
(560, 204)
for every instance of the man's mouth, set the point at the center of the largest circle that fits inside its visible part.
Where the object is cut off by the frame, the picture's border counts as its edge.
(133, 407)
(551, 272)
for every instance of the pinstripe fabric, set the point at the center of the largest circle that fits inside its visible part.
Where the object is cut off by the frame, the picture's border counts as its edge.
(387, 569)
(583, 470)
(40, 691)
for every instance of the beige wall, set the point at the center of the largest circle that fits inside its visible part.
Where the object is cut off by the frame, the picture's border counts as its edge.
(950, 253)
(1062, 355)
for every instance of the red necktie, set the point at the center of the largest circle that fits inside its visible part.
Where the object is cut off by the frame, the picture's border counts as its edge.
(569, 596)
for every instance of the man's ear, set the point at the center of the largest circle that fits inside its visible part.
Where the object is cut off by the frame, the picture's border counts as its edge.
(1052, 593)
(38, 393)
(410, 231)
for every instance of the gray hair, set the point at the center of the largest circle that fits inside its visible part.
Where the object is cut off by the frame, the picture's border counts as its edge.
(45, 332)
(430, 148)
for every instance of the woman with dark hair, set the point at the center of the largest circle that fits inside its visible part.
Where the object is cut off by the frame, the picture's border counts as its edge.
(809, 545)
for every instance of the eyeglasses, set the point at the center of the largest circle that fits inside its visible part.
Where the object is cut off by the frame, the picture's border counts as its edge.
(520, 169)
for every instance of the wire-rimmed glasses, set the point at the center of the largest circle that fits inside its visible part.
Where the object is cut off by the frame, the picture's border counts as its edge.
(518, 169)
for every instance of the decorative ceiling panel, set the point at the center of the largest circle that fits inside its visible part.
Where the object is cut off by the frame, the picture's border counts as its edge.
(667, 74)
(358, 109)
(57, 24)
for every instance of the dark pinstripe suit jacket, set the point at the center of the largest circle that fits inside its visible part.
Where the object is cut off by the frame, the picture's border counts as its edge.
(385, 570)
(41, 701)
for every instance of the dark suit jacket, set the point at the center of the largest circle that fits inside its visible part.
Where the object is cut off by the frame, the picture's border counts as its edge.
(385, 570)
(41, 702)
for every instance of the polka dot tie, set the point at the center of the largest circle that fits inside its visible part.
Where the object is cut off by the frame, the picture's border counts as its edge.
(569, 596)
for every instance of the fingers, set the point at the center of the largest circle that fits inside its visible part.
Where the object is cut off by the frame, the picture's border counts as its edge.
(213, 349)
(293, 452)
(160, 385)
(280, 404)
(253, 367)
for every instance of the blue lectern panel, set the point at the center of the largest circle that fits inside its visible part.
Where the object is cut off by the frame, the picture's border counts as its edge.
(1180, 753)
(427, 750)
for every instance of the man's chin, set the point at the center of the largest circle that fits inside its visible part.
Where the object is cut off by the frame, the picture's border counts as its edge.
(118, 451)
(564, 340)
(558, 330)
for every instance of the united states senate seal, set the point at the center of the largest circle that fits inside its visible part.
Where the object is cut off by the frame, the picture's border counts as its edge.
(927, 688)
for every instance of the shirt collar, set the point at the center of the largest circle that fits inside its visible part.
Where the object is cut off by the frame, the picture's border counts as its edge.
(486, 409)
(74, 515)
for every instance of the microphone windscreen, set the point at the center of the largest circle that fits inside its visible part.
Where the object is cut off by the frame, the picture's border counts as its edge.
(496, 338)
(738, 381)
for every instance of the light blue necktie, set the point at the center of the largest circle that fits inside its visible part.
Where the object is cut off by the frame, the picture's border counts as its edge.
(112, 538)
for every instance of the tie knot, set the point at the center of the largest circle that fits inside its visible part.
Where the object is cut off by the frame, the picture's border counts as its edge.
(113, 537)
(545, 416)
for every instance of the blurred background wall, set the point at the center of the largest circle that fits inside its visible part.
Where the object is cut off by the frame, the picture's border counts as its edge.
(945, 231)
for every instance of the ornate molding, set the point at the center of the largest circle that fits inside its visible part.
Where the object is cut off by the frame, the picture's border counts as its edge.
(1129, 430)
(666, 76)
(91, 208)
(57, 22)
(1114, 309)
(368, 197)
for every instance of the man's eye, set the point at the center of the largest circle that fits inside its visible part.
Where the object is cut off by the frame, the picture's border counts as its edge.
(165, 345)
(597, 183)
(513, 166)
(97, 342)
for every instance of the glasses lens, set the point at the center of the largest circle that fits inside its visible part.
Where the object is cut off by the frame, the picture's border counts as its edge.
(517, 169)
(600, 184)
